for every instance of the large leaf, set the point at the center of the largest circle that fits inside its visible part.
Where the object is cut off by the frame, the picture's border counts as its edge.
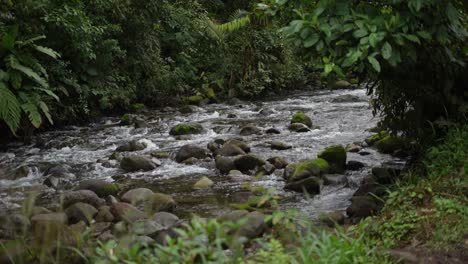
(10, 111)
(386, 51)
(311, 40)
(14, 64)
(33, 114)
(45, 110)
(47, 51)
(375, 63)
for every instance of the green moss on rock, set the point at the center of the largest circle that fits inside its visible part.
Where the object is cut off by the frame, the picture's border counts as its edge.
(302, 118)
(390, 144)
(379, 136)
(335, 156)
(186, 129)
(194, 99)
(316, 167)
(126, 120)
(137, 106)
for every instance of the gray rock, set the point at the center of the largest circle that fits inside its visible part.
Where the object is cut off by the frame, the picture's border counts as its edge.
(310, 185)
(346, 98)
(239, 143)
(230, 150)
(82, 196)
(250, 130)
(100, 187)
(278, 162)
(146, 227)
(273, 131)
(165, 219)
(80, 212)
(334, 179)
(353, 148)
(134, 196)
(225, 164)
(137, 163)
(354, 165)
(363, 206)
(298, 127)
(191, 151)
(203, 183)
(278, 145)
(131, 146)
(248, 162)
(104, 214)
(254, 227)
(126, 212)
(332, 219)
(186, 129)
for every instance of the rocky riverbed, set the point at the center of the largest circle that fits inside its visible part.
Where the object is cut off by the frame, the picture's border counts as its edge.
(199, 160)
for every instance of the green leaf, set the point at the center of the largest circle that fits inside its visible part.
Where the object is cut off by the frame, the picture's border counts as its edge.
(14, 64)
(311, 40)
(9, 38)
(412, 38)
(46, 111)
(375, 63)
(360, 33)
(425, 35)
(329, 68)
(351, 58)
(386, 51)
(33, 114)
(47, 51)
(452, 13)
(10, 110)
(49, 92)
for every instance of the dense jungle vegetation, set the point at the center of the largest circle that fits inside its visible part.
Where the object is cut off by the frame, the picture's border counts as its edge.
(66, 62)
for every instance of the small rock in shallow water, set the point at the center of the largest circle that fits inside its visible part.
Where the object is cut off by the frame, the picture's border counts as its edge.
(100, 187)
(278, 145)
(191, 151)
(250, 130)
(332, 219)
(298, 127)
(80, 212)
(203, 183)
(137, 163)
(354, 165)
(273, 131)
(83, 196)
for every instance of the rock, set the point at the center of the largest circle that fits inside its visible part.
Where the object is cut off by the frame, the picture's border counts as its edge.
(278, 145)
(100, 187)
(336, 157)
(405, 257)
(363, 206)
(203, 183)
(301, 118)
(98, 229)
(137, 163)
(146, 227)
(278, 162)
(346, 98)
(238, 176)
(191, 151)
(289, 170)
(266, 111)
(126, 212)
(364, 153)
(341, 84)
(306, 169)
(334, 179)
(106, 236)
(231, 115)
(353, 148)
(48, 226)
(160, 202)
(165, 219)
(116, 156)
(239, 143)
(131, 146)
(187, 109)
(225, 164)
(18, 173)
(354, 165)
(230, 150)
(310, 185)
(126, 120)
(273, 131)
(254, 226)
(298, 127)
(371, 189)
(250, 130)
(384, 175)
(390, 144)
(191, 161)
(82, 196)
(104, 214)
(233, 216)
(134, 196)
(194, 100)
(58, 176)
(213, 146)
(266, 169)
(139, 123)
(120, 228)
(248, 162)
(186, 129)
(160, 154)
(372, 139)
(80, 212)
(332, 219)
(39, 210)
(13, 226)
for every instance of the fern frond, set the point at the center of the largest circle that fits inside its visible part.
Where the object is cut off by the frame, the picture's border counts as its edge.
(47, 51)
(45, 110)
(10, 111)
(235, 24)
(239, 13)
(15, 64)
(33, 113)
(30, 41)
(214, 31)
(48, 92)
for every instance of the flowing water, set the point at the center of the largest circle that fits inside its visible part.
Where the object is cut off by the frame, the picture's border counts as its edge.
(87, 149)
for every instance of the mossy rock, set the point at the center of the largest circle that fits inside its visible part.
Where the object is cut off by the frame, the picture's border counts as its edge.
(126, 120)
(377, 137)
(341, 84)
(160, 154)
(302, 118)
(336, 157)
(186, 109)
(390, 144)
(138, 106)
(203, 183)
(186, 129)
(100, 187)
(209, 93)
(194, 99)
(305, 169)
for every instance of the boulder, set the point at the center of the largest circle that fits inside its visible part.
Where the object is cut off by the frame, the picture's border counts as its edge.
(233, 216)
(191, 161)
(273, 131)
(99, 187)
(59, 176)
(278, 145)
(305, 169)
(278, 162)
(239, 143)
(146, 227)
(332, 219)
(379, 136)
(137, 163)
(104, 214)
(191, 151)
(20, 172)
(250, 130)
(298, 127)
(82, 196)
(336, 157)
(160, 154)
(126, 212)
(390, 144)
(248, 162)
(225, 164)
(346, 98)
(353, 148)
(371, 188)
(134, 196)
(80, 212)
(310, 185)
(230, 150)
(385, 175)
(131, 146)
(363, 206)
(334, 179)
(301, 118)
(341, 84)
(159, 202)
(203, 183)
(354, 165)
(194, 100)
(165, 219)
(253, 227)
(186, 129)
(187, 109)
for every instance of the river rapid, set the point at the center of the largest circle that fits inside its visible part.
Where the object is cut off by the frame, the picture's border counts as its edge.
(85, 150)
